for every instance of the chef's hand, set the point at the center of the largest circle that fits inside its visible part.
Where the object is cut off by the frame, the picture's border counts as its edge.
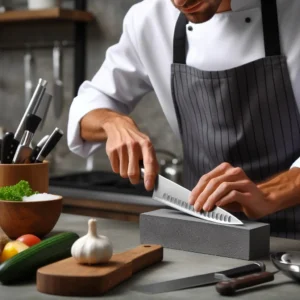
(126, 146)
(230, 188)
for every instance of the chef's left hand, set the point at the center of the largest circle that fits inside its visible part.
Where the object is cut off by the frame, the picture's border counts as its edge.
(230, 188)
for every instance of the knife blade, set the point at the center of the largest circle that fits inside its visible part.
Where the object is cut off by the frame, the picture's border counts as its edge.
(6, 151)
(176, 196)
(36, 150)
(50, 144)
(198, 280)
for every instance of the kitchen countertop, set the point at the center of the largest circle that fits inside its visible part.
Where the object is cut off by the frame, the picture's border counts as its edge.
(176, 264)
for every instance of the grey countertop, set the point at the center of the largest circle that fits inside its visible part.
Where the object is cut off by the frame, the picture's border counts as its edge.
(175, 264)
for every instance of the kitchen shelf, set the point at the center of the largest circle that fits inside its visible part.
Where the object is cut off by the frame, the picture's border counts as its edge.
(79, 16)
(46, 14)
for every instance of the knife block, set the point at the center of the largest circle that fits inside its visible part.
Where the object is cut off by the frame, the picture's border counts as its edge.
(37, 175)
(173, 229)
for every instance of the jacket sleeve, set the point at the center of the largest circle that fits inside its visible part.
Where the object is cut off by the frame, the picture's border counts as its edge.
(118, 85)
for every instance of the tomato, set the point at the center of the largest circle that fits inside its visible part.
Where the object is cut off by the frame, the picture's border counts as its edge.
(29, 239)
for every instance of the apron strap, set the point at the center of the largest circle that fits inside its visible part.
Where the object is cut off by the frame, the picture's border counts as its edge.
(179, 55)
(270, 29)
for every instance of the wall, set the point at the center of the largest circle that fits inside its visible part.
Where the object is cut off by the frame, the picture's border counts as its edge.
(104, 32)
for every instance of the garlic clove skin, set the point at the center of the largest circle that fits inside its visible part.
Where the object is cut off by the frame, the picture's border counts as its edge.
(92, 248)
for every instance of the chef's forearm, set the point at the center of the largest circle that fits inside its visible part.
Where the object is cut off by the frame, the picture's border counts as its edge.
(91, 125)
(283, 190)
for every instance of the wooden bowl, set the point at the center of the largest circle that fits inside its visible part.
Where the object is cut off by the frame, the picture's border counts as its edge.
(34, 217)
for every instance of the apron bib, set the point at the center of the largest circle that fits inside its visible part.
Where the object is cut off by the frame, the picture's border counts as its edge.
(246, 116)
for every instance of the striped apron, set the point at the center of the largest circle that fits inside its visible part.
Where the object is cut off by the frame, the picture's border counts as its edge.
(246, 116)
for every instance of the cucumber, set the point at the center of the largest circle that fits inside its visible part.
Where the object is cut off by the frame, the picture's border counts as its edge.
(24, 265)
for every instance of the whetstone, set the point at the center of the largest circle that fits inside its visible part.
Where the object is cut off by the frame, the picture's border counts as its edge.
(176, 230)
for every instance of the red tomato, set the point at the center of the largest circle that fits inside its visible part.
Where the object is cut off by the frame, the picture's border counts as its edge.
(29, 239)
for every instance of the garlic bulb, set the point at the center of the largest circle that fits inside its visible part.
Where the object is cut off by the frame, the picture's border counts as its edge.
(92, 248)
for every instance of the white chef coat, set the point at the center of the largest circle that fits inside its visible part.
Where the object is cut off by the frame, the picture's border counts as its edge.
(141, 61)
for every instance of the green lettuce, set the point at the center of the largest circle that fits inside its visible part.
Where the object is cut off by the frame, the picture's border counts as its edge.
(16, 192)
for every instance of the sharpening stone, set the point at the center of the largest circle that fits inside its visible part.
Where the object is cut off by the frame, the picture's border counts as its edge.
(176, 230)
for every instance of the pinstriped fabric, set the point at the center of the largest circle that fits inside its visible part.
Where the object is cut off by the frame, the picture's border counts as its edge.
(199, 133)
(246, 116)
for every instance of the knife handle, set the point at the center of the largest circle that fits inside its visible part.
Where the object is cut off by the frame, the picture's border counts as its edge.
(35, 152)
(8, 149)
(228, 287)
(244, 270)
(54, 138)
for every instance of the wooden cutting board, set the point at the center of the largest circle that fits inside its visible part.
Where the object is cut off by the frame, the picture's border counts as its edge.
(69, 278)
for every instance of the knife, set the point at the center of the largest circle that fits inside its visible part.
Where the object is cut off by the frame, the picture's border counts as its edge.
(7, 153)
(36, 150)
(57, 76)
(176, 196)
(198, 280)
(31, 109)
(24, 151)
(54, 138)
(43, 108)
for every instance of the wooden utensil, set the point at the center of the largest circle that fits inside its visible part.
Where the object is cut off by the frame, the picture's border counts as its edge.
(69, 278)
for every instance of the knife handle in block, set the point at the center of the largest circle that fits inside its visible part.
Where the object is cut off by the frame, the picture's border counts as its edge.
(228, 287)
(144, 256)
(35, 152)
(8, 148)
(50, 144)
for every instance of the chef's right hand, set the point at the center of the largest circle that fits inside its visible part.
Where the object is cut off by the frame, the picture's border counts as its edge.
(126, 146)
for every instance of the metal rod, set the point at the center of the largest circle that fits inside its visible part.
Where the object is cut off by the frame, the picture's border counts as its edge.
(42, 45)
(32, 107)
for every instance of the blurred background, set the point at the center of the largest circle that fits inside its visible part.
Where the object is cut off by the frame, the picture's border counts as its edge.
(27, 45)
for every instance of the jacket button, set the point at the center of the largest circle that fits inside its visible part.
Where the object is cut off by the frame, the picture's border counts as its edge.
(248, 20)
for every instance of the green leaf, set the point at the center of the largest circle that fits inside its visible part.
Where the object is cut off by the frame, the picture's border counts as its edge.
(16, 192)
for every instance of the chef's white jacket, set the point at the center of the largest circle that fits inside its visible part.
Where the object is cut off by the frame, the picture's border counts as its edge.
(140, 62)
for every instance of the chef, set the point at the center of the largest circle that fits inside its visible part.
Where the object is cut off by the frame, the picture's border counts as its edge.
(227, 76)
